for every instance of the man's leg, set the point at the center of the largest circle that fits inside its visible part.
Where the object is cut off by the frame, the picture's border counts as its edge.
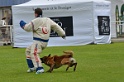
(29, 60)
(35, 51)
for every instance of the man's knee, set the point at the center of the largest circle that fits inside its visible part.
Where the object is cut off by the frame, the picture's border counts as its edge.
(27, 51)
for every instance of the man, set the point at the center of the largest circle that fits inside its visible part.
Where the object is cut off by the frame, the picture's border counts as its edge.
(41, 28)
(4, 31)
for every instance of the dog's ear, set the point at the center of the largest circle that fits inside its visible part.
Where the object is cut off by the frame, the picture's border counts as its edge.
(49, 55)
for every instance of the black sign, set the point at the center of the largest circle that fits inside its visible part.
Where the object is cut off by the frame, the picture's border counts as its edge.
(104, 25)
(66, 23)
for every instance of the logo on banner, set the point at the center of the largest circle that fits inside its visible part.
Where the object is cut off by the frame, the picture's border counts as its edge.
(104, 25)
(66, 23)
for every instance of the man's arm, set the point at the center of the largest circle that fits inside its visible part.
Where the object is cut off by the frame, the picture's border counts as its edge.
(27, 27)
(58, 29)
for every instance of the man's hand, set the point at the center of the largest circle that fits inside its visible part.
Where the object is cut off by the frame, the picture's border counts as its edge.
(22, 24)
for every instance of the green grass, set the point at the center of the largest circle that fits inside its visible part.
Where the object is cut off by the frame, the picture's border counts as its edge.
(96, 63)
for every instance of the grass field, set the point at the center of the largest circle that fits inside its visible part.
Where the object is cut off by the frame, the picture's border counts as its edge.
(96, 63)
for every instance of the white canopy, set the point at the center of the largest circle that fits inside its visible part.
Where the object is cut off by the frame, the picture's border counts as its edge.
(54, 2)
(85, 21)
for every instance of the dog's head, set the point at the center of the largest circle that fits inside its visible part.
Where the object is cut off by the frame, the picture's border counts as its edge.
(45, 58)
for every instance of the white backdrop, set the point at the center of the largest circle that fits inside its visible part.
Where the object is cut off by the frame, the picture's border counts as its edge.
(80, 18)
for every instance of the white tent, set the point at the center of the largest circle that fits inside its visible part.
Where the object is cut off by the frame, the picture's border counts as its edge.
(85, 21)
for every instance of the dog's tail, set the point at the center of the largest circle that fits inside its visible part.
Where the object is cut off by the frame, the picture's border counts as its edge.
(68, 53)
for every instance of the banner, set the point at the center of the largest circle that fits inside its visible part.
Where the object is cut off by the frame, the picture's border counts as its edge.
(104, 25)
(66, 23)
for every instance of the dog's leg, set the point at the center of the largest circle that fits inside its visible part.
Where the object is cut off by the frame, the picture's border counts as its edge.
(68, 67)
(51, 68)
(75, 65)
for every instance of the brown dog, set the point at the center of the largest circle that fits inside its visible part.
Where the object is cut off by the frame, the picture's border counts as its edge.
(55, 61)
